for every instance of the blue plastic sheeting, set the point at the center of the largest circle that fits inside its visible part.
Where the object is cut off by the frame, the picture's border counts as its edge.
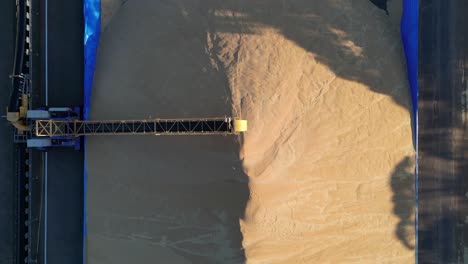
(92, 31)
(409, 35)
(92, 20)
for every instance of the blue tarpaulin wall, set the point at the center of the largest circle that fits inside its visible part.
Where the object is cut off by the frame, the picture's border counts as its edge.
(409, 35)
(92, 30)
(92, 18)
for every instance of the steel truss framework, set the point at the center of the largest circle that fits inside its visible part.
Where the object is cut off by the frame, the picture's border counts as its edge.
(76, 128)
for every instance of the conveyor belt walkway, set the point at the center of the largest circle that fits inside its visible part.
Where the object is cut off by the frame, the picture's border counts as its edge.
(76, 128)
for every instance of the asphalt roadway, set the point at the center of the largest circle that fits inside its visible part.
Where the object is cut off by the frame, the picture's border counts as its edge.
(65, 166)
(57, 218)
(443, 135)
(7, 209)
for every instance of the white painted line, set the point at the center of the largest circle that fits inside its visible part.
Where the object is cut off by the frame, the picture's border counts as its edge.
(45, 205)
(46, 66)
(46, 53)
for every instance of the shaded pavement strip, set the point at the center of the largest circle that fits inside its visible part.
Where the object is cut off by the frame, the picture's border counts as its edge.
(7, 195)
(443, 137)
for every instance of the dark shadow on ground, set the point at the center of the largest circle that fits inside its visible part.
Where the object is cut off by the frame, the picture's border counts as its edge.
(382, 4)
(402, 183)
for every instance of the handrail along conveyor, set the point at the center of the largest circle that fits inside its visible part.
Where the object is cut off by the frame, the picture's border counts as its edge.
(75, 128)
